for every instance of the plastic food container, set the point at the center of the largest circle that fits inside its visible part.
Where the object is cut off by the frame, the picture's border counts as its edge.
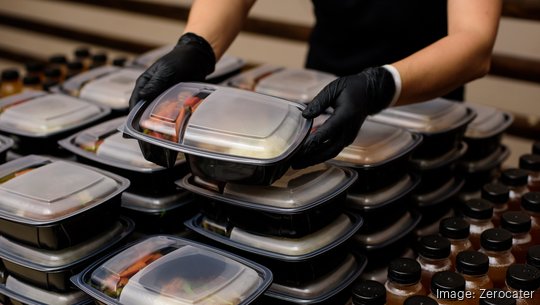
(299, 85)
(280, 248)
(433, 198)
(484, 133)
(54, 204)
(20, 292)
(36, 120)
(380, 154)
(383, 237)
(51, 270)
(105, 147)
(378, 271)
(480, 172)
(227, 134)
(5, 145)
(226, 66)
(299, 203)
(163, 213)
(170, 270)
(107, 85)
(441, 122)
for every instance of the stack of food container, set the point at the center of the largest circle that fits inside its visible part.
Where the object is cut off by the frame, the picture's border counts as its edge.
(36, 120)
(56, 217)
(5, 145)
(485, 154)
(226, 66)
(153, 200)
(238, 145)
(171, 270)
(442, 124)
(299, 85)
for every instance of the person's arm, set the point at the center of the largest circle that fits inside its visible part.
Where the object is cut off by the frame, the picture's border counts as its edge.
(463, 55)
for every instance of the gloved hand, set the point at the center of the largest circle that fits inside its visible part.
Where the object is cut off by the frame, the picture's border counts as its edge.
(353, 98)
(192, 59)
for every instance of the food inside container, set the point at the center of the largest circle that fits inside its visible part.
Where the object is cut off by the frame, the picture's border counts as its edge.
(300, 85)
(52, 270)
(483, 134)
(281, 248)
(20, 292)
(174, 271)
(380, 154)
(227, 134)
(442, 123)
(53, 203)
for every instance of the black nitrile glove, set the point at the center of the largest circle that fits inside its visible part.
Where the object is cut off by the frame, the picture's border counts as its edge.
(353, 99)
(192, 59)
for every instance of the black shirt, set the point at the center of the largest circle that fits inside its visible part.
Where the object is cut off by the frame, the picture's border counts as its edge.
(351, 35)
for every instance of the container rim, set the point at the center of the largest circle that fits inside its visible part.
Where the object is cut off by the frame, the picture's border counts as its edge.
(25, 300)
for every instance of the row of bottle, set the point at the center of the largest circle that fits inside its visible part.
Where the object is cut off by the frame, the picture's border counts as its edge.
(467, 285)
(42, 76)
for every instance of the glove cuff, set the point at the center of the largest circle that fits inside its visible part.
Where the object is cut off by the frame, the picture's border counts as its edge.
(204, 49)
(397, 83)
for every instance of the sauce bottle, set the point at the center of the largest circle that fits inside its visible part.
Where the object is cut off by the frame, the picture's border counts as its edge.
(448, 288)
(531, 163)
(524, 279)
(536, 148)
(35, 68)
(496, 296)
(497, 245)
(420, 300)
(119, 61)
(474, 266)
(11, 82)
(433, 257)
(99, 60)
(60, 62)
(74, 68)
(519, 224)
(82, 54)
(403, 281)
(478, 213)
(53, 74)
(533, 256)
(369, 293)
(456, 230)
(517, 180)
(32, 82)
(531, 204)
(498, 195)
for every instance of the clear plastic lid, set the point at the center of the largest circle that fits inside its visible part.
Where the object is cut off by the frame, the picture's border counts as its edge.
(5, 143)
(221, 123)
(282, 248)
(249, 79)
(377, 144)
(435, 116)
(30, 295)
(46, 114)
(434, 197)
(446, 159)
(489, 121)
(169, 270)
(38, 190)
(390, 234)
(488, 163)
(380, 197)
(113, 89)
(295, 191)
(105, 144)
(74, 84)
(49, 261)
(156, 204)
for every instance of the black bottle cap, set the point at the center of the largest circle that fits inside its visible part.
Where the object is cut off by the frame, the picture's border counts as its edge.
(523, 277)
(420, 300)
(58, 59)
(10, 75)
(530, 162)
(34, 66)
(48, 84)
(447, 281)
(533, 256)
(369, 293)
(477, 208)
(531, 202)
(496, 193)
(119, 61)
(536, 148)
(82, 52)
(454, 228)
(515, 177)
(99, 57)
(434, 247)
(404, 271)
(75, 65)
(496, 239)
(31, 80)
(496, 296)
(516, 222)
(472, 263)
(53, 72)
